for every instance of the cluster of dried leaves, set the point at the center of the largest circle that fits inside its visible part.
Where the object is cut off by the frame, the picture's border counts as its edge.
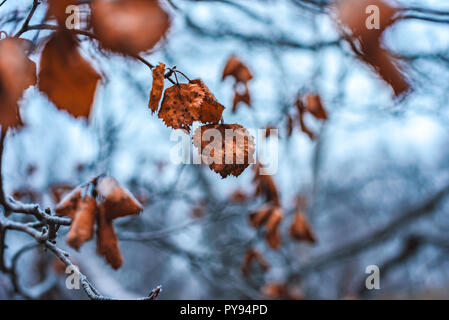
(242, 75)
(351, 17)
(183, 104)
(98, 202)
(69, 81)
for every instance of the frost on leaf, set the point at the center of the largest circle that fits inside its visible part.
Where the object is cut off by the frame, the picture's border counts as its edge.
(300, 229)
(366, 43)
(65, 77)
(252, 255)
(17, 73)
(157, 87)
(129, 26)
(227, 148)
(101, 200)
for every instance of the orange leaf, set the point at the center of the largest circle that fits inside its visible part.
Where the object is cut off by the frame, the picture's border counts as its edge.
(117, 201)
(315, 106)
(157, 88)
(57, 8)
(129, 26)
(244, 97)
(17, 73)
(107, 242)
(260, 217)
(250, 256)
(273, 239)
(69, 204)
(236, 146)
(274, 220)
(265, 186)
(82, 228)
(181, 105)
(211, 109)
(234, 67)
(65, 77)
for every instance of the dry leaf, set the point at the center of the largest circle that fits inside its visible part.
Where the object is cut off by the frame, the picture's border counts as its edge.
(273, 239)
(289, 126)
(181, 105)
(157, 88)
(234, 67)
(315, 106)
(260, 217)
(254, 255)
(237, 144)
(211, 109)
(265, 186)
(300, 229)
(238, 196)
(107, 242)
(57, 9)
(82, 228)
(274, 219)
(117, 201)
(244, 97)
(65, 77)
(69, 204)
(301, 112)
(129, 26)
(17, 73)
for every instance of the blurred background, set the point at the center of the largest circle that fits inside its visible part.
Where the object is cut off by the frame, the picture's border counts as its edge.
(375, 180)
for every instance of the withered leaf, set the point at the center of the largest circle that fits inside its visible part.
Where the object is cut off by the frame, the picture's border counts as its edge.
(300, 229)
(301, 112)
(235, 68)
(68, 206)
(265, 186)
(277, 290)
(82, 228)
(17, 73)
(107, 242)
(57, 9)
(254, 255)
(117, 201)
(65, 77)
(232, 154)
(260, 217)
(181, 105)
(129, 26)
(315, 106)
(273, 239)
(244, 97)
(211, 109)
(157, 88)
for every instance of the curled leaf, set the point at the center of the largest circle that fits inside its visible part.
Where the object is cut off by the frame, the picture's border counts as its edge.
(235, 68)
(157, 88)
(315, 106)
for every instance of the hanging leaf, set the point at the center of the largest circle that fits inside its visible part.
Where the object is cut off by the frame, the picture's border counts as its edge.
(107, 242)
(252, 255)
(260, 217)
(235, 68)
(181, 105)
(265, 186)
(129, 26)
(232, 154)
(157, 88)
(69, 204)
(82, 228)
(17, 73)
(65, 77)
(211, 109)
(244, 97)
(300, 229)
(301, 112)
(315, 106)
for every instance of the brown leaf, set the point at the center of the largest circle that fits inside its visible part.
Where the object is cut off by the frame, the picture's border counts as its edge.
(181, 105)
(234, 141)
(107, 242)
(300, 229)
(273, 239)
(65, 77)
(274, 219)
(265, 186)
(82, 227)
(117, 201)
(238, 196)
(211, 109)
(235, 68)
(57, 9)
(129, 26)
(157, 88)
(253, 255)
(315, 106)
(69, 204)
(301, 112)
(260, 217)
(17, 73)
(289, 126)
